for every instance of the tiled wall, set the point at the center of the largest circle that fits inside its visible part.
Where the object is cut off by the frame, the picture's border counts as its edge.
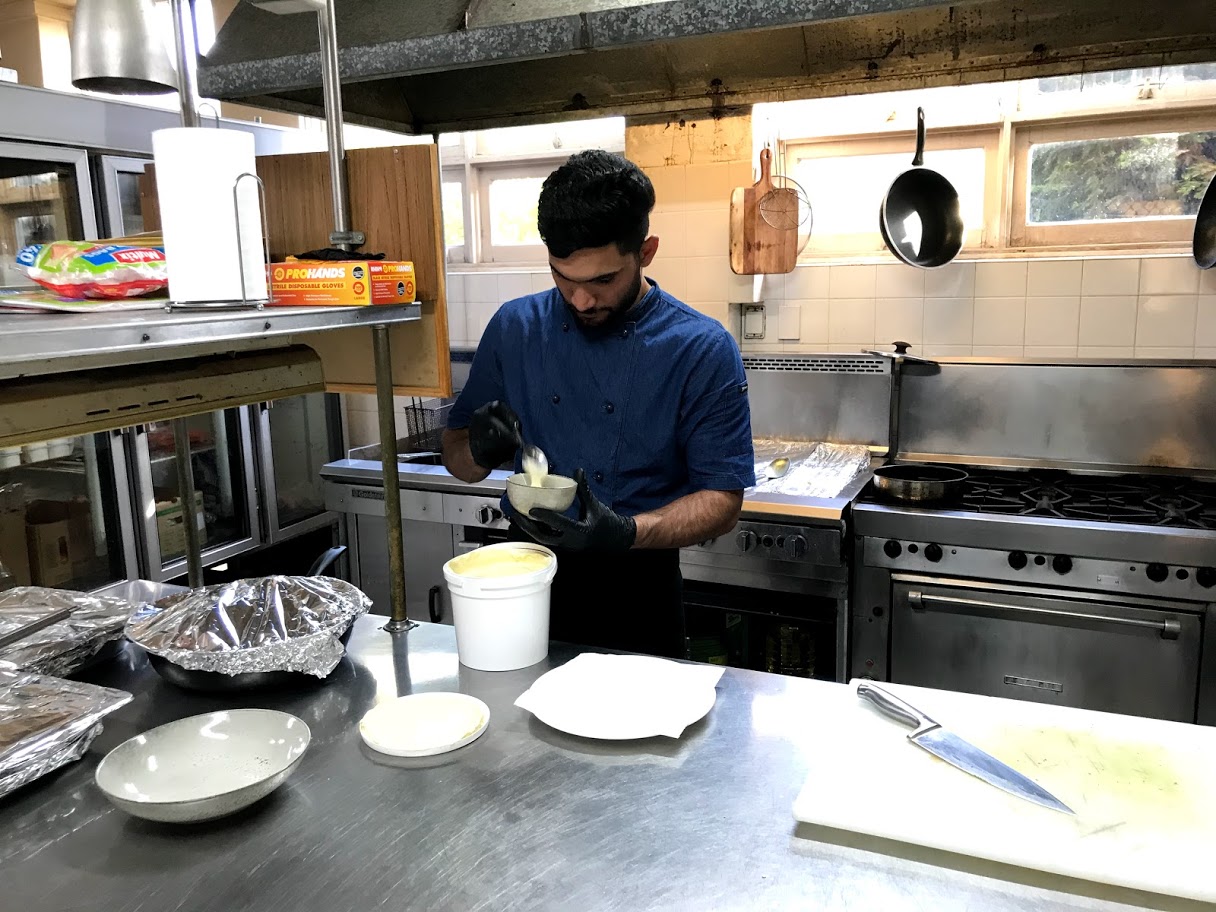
(1158, 307)
(474, 296)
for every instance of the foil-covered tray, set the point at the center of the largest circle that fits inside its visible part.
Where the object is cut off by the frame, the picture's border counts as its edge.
(47, 722)
(67, 645)
(273, 623)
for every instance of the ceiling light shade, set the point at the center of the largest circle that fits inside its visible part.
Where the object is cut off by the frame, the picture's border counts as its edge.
(117, 48)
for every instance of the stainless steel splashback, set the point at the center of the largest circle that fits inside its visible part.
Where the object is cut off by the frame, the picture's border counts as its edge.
(834, 398)
(1076, 415)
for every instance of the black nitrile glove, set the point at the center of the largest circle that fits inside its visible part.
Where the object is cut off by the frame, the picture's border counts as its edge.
(597, 529)
(494, 434)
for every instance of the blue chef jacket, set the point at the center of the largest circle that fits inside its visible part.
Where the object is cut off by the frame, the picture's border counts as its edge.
(653, 411)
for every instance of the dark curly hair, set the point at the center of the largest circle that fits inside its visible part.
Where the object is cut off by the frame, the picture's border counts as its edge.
(595, 199)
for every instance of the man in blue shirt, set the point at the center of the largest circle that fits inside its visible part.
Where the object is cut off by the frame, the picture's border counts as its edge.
(640, 398)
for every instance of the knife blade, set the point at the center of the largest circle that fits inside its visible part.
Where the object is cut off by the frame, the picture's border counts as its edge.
(929, 735)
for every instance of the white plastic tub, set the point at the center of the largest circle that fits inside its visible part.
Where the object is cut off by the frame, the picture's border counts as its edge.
(502, 618)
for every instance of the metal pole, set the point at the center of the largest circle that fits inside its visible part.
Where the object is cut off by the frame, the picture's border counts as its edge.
(185, 491)
(392, 489)
(185, 43)
(331, 88)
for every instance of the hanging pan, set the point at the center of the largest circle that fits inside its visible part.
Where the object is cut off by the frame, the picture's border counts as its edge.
(1204, 245)
(920, 218)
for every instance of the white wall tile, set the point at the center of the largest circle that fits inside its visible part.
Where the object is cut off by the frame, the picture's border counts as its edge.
(753, 346)
(1205, 325)
(899, 319)
(740, 289)
(361, 428)
(1050, 351)
(789, 322)
(898, 280)
(949, 321)
(672, 276)
(457, 327)
(708, 186)
(1053, 278)
(954, 280)
(481, 288)
(1207, 282)
(813, 316)
(709, 278)
(773, 287)
(852, 281)
(1106, 351)
(541, 281)
(512, 285)
(455, 287)
(1000, 321)
(670, 187)
(997, 351)
(1052, 321)
(1005, 279)
(1166, 321)
(1110, 276)
(1208, 353)
(1168, 352)
(669, 227)
(477, 316)
(708, 233)
(1169, 276)
(1108, 320)
(948, 351)
(808, 282)
(719, 310)
(851, 320)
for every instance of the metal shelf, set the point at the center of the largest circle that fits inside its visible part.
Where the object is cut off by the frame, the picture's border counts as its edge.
(55, 343)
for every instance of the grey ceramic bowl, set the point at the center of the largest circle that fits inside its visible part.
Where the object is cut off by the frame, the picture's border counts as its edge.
(203, 767)
(557, 493)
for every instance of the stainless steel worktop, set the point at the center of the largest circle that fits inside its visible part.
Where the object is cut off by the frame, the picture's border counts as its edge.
(524, 818)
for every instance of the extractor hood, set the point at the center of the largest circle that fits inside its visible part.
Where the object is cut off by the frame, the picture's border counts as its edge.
(432, 66)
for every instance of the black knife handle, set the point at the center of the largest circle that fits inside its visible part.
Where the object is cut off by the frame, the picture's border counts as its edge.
(895, 708)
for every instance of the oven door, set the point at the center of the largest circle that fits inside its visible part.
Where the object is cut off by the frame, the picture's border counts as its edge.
(1133, 656)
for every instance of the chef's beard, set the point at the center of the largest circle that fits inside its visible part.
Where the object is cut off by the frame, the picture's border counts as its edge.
(608, 318)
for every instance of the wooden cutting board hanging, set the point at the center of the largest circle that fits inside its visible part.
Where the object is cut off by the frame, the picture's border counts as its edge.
(755, 245)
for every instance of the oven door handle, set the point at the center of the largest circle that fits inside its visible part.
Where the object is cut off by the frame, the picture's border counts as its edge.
(920, 601)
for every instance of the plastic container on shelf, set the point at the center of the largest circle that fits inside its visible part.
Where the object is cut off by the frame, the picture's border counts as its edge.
(60, 448)
(10, 457)
(500, 605)
(36, 452)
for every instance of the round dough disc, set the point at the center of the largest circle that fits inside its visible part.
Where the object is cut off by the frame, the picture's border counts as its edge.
(421, 725)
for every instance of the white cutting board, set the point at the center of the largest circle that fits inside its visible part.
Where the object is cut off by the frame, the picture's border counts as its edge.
(1144, 790)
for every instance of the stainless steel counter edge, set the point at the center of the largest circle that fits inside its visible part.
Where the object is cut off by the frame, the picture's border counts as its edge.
(436, 478)
(524, 818)
(50, 343)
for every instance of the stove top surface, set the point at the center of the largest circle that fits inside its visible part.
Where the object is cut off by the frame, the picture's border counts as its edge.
(1146, 500)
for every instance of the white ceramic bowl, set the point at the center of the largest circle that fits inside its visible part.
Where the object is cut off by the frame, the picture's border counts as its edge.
(205, 766)
(556, 493)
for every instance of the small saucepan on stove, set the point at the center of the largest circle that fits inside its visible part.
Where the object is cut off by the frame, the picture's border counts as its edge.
(918, 484)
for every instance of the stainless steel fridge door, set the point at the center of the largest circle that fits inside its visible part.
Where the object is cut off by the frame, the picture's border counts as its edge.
(46, 194)
(296, 437)
(225, 480)
(119, 177)
(65, 514)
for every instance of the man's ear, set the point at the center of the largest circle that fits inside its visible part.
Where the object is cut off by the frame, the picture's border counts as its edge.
(650, 247)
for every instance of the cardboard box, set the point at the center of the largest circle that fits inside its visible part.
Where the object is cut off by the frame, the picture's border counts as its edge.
(48, 536)
(316, 283)
(171, 526)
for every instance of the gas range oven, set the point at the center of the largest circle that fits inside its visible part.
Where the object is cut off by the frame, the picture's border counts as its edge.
(1090, 590)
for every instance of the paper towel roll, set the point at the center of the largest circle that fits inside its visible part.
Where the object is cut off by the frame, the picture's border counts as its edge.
(196, 170)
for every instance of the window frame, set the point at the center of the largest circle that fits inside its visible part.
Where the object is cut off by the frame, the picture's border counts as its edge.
(986, 137)
(457, 253)
(1163, 232)
(486, 174)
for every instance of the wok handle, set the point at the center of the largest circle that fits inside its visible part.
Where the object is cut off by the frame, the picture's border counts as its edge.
(919, 159)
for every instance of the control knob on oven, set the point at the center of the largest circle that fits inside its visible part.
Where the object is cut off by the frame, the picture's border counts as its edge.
(1017, 559)
(487, 514)
(1061, 564)
(892, 549)
(795, 547)
(1206, 577)
(1157, 572)
(745, 541)
(933, 552)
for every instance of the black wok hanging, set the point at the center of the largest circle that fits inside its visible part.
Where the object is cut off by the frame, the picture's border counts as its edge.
(920, 217)
(1204, 244)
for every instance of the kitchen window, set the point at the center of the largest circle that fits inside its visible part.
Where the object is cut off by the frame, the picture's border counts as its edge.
(1117, 160)
(509, 199)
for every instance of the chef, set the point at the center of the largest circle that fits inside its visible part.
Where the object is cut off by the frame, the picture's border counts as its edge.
(640, 398)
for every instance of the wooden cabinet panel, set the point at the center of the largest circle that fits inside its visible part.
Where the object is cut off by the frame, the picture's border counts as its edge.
(395, 200)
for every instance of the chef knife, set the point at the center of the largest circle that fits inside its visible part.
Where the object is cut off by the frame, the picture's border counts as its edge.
(957, 752)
